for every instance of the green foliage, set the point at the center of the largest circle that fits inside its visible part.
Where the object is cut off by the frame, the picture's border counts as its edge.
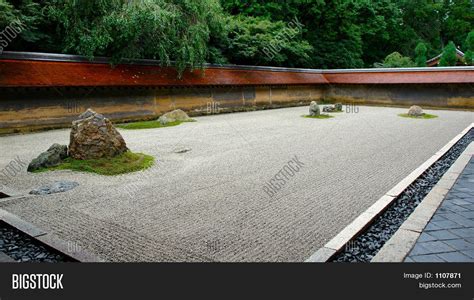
(321, 116)
(449, 57)
(28, 16)
(420, 55)
(258, 41)
(424, 116)
(125, 163)
(395, 60)
(469, 55)
(331, 34)
(176, 30)
(149, 124)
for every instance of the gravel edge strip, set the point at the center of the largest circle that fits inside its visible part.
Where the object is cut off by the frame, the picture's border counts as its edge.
(347, 238)
(47, 240)
(401, 243)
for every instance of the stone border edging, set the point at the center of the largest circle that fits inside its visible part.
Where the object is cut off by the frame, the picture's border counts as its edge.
(47, 238)
(336, 244)
(401, 243)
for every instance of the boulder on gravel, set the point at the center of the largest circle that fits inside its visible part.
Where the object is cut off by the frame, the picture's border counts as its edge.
(314, 109)
(173, 116)
(415, 111)
(93, 136)
(51, 158)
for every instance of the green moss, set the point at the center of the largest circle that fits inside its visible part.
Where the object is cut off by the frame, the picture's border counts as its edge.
(125, 163)
(318, 117)
(149, 124)
(425, 116)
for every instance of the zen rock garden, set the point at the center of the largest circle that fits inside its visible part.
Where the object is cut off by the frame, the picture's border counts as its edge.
(95, 146)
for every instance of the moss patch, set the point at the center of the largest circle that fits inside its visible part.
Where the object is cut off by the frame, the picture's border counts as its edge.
(125, 163)
(318, 117)
(425, 116)
(150, 124)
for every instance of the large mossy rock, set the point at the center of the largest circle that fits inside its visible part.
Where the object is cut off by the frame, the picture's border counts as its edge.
(174, 116)
(415, 111)
(51, 158)
(314, 109)
(93, 136)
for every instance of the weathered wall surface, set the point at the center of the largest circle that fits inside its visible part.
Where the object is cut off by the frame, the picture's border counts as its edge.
(39, 91)
(27, 109)
(452, 96)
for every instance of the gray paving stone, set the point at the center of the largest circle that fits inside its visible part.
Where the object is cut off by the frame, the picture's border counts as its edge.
(418, 249)
(469, 253)
(408, 259)
(432, 247)
(426, 237)
(470, 240)
(432, 227)
(442, 235)
(465, 222)
(459, 244)
(463, 232)
(455, 257)
(447, 224)
(438, 217)
(427, 258)
(467, 214)
(451, 207)
(469, 207)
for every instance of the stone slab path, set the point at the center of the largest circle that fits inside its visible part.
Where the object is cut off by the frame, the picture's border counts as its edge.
(449, 236)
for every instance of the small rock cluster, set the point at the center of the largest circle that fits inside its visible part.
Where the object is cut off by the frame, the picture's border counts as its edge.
(415, 111)
(333, 108)
(314, 109)
(92, 136)
(173, 116)
(22, 248)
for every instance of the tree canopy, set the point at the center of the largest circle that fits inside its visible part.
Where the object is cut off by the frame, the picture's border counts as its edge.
(292, 33)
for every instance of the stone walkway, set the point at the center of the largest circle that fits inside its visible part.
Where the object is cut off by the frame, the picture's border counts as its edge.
(449, 236)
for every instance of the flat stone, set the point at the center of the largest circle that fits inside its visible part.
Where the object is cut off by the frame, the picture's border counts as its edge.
(465, 222)
(182, 150)
(469, 253)
(467, 214)
(322, 255)
(426, 258)
(397, 247)
(432, 247)
(56, 187)
(463, 232)
(447, 224)
(460, 244)
(350, 231)
(426, 237)
(442, 235)
(431, 227)
(455, 257)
